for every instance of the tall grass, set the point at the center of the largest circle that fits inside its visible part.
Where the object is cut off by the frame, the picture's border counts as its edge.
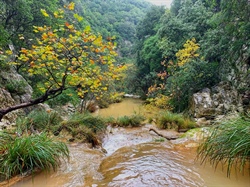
(229, 144)
(169, 120)
(29, 153)
(134, 120)
(39, 120)
(96, 124)
(84, 126)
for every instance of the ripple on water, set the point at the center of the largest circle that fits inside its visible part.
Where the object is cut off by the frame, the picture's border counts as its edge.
(148, 164)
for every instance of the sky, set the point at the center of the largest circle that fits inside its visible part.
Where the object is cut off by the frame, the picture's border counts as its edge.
(161, 2)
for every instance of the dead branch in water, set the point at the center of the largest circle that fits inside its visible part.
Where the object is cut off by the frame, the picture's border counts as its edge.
(161, 135)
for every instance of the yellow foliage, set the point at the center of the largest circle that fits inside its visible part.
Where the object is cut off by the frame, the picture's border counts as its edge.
(161, 101)
(188, 52)
(79, 59)
(44, 13)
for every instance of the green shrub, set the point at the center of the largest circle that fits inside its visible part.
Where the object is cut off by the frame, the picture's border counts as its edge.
(110, 120)
(169, 120)
(229, 143)
(160, 101)
(29, 153)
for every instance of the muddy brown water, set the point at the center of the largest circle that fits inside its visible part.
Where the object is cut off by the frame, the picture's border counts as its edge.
(134, 158)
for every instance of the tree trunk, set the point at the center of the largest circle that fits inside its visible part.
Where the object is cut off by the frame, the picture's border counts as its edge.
(48, 95)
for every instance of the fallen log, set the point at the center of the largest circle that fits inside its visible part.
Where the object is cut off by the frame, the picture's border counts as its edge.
(161, 135)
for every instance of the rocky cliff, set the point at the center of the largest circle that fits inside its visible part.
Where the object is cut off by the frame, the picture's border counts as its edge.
(228, 96)
(14, 89)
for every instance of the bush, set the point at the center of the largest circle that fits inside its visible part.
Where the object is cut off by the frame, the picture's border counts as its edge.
(229, 143)
(109, 98)
(169, 120)
(29, 153)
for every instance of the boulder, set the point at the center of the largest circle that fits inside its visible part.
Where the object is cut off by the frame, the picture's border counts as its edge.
(218, 100)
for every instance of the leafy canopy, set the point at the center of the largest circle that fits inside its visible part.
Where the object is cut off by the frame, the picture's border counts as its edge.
(66, 57)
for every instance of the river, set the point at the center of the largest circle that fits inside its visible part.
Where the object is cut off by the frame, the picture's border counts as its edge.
(134, 158)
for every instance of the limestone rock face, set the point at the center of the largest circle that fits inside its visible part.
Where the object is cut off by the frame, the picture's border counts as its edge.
(6, 100)
(219, 100)
(14, 89)
(18, 87)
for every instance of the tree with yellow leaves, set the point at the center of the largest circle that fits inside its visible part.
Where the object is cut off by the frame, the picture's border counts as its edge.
(188, 52)
(64, 57)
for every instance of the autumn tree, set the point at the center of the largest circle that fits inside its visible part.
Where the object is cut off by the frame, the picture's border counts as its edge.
(188, 53)
(64, 57)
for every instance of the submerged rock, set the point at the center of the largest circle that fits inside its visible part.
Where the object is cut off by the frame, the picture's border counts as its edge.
(192, 138)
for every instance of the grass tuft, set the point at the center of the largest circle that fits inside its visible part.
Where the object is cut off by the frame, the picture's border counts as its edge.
(229, 144)
(84, 126)
(133, 121)
(38, 120)
(169, 120)
(29, 153)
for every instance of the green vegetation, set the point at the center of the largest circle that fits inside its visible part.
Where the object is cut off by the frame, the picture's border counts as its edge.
(169, 120)
(160, 140)
(96, 124)
(115, 19)
(68, 96)
(133, 121)
(29, 153)
(16, 87)
(84, 127)
(79, 51)
(39, 120)
(228, 144)
(195, 44)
